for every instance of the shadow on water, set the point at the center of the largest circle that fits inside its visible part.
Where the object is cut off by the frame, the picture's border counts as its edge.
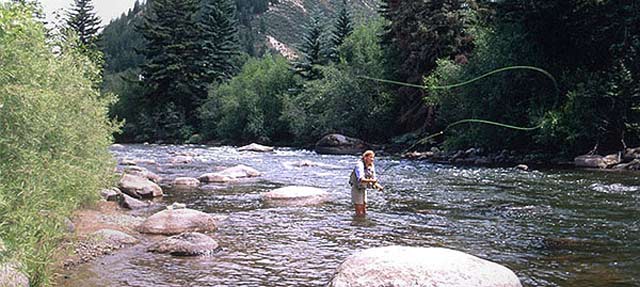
(552, 227)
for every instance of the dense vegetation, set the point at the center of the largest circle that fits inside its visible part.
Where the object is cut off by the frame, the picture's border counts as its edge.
(199, 71)
(54, 134)
(590, 47)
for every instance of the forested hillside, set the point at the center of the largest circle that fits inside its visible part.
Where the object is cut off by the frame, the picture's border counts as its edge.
(574, 87)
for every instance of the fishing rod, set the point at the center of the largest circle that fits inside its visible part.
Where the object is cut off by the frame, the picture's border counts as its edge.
(472, 120)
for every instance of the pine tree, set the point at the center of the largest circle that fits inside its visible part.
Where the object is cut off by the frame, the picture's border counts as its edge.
(83, 20)
(219, 42)
(171, 73)
(343, 28)
(312, 49)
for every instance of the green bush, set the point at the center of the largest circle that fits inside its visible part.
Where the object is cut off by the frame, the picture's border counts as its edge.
(516, 97)
(341, 101)
(54, 134)
(248, 107)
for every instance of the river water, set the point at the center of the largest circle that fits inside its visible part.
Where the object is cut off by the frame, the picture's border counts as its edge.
(551, 227)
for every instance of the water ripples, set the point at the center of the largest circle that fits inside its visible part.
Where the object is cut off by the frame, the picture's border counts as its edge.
(552, 227)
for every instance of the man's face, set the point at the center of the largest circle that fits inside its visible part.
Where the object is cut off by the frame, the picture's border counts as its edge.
(368, 159)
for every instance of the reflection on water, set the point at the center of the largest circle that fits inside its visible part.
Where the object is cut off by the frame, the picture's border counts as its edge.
(553, 228)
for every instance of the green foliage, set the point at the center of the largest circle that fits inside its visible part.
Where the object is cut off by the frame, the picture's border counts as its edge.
(420, 32)
(219, 41)
(119, 41)
(313, 49)
(248, 107)
(171, 72)
(83, 20)
(341, 102)
(54, 134)
(166, 123)
(516, 97)
(131, 102)
(416, 35)
(597, 70)
(342, 29)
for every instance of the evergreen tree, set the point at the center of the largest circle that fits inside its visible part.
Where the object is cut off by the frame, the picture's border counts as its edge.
(419, 33)
(170, 72)
(219, 42)
(312, 49)
(83, 20)
(343, 28)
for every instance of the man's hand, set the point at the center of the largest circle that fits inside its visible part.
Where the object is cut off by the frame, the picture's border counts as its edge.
(378, 186)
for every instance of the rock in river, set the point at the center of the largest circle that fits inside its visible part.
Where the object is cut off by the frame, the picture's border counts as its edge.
(175, 221)
(295, 195)
(420, 267)
(256, 147)
(185, 244)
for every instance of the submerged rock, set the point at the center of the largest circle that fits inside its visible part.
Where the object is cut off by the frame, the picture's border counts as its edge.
(185, 183)
(181, 159)
(308, 163)
(175, 221)
(414, 266)
(295, 195)
(256, 147)
(230, 174)
(185, 244)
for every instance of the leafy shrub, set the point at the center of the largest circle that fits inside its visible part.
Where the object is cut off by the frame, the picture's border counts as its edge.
(54, 134)
(248, 107)
(342, 101)
(516, 97)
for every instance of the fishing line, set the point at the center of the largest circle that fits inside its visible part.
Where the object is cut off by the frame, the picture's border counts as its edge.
(480, 121)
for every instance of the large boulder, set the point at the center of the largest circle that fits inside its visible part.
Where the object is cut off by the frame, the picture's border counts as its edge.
(256, 147)
(185, 244)
(139, 187)
(590, 161)
(295, 195)
(415, 266)
(230, 174)
(176, 221)
(340, 144)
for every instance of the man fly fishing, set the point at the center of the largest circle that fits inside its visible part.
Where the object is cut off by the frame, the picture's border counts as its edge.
(362, 177)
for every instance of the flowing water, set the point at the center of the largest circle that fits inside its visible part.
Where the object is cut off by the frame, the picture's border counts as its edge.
(551, 227)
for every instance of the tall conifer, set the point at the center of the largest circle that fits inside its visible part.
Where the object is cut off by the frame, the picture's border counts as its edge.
(312, 49)
(170, 72)
(342, 29)
(219, 40)
(83, 20)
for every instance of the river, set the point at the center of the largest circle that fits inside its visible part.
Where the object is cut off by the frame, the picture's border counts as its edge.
(551, 227)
